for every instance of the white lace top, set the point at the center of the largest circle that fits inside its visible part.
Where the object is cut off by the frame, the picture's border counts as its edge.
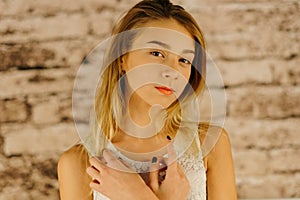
(193, 167)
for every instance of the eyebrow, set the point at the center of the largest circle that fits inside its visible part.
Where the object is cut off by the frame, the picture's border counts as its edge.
(166, 46)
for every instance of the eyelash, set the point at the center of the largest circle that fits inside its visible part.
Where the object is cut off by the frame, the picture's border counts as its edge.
(183, 60)
(157, 52)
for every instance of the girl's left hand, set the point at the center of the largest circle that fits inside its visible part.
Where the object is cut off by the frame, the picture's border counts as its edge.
(117, 181)
(175, 184)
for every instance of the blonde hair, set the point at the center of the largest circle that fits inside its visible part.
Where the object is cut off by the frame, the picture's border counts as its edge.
(109, 101)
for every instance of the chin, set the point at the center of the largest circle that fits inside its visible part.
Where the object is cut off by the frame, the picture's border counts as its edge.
(163, 104)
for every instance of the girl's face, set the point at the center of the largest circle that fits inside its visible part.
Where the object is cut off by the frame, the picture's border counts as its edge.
(158, 66)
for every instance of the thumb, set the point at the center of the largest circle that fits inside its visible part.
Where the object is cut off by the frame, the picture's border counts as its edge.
(153, 175)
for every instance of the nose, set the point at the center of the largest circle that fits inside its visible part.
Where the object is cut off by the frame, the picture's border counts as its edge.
(170, 74)
(171, 61)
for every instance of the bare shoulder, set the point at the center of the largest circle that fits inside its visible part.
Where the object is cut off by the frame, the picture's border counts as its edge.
(74, 158)
(213, 139)
(214, 143)
(218, 163)
(72, 177)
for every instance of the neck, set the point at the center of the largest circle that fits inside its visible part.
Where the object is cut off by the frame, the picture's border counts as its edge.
(142, 120)
(138, 111)
(139, 147)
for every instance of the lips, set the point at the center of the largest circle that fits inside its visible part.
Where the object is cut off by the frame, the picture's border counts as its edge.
(165, 90)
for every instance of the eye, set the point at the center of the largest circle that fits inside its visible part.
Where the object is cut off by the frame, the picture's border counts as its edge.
(185, 61)
(157, 54)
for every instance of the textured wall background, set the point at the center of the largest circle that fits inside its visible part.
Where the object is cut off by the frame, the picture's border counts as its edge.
(255, 43)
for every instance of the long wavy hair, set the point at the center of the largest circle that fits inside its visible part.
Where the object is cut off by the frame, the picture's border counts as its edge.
(109, 102)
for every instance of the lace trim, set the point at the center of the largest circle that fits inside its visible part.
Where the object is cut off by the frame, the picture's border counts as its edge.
(194, 170)
(193, 167)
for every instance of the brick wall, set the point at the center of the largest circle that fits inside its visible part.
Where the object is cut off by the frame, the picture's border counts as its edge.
(255, 44)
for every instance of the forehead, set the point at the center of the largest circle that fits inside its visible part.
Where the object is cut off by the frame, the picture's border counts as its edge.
(176, 40)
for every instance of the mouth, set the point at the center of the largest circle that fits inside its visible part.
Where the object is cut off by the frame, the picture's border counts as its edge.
(165, 90)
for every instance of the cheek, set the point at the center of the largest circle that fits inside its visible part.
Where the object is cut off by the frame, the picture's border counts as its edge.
(143, 75)
(186, 73)
(183, 81)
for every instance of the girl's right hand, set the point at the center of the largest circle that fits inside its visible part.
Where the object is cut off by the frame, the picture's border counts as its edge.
(116, 180)
(175, 185)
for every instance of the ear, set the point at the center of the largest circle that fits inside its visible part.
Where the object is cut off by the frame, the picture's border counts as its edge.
(124, 62)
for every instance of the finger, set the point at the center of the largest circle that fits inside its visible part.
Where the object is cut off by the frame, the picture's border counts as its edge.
(101, 158)
(172, 160)
(153, 175)
(172, 155)
(114, 162)
(96, 186)
(97, 164)
(180, 170)
(128, 167)
(93, 173)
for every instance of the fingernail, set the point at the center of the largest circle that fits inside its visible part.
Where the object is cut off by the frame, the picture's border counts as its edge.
(120, 158)
(99, 157)
(154, 160)
(168, 137)
(105, 150)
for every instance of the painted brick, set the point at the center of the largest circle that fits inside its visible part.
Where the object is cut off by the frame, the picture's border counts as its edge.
(32, 140)
(13, 110)
(264, 102)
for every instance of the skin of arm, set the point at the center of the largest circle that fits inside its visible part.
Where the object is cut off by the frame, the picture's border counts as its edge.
(115, 184)
(72, 177)
(74, 181)
(220, 170)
